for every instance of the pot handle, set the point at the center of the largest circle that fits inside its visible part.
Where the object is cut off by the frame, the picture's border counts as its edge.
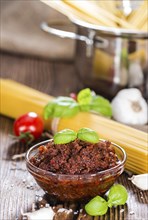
(64, 34)
(102, 43)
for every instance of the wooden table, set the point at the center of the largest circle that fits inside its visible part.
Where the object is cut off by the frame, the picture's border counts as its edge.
(19, 192)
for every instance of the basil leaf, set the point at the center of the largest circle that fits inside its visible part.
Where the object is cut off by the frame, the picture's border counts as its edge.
(97, 206)
(65, 107)
(85, 108)
(48, 110)
(65, 136)
(84, 96)
(59, 108)
(89, 135)
(64, 99)
(117, 195)
(101, 106)
(71, 110)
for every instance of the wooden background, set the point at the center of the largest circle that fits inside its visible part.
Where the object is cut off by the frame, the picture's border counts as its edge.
(19, 192)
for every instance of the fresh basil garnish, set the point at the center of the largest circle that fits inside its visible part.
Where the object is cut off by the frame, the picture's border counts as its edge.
(65, 136)
(101, 105)
(49, 110)
(84, 97)
(117, 195)
(88, 135)
(61, 107)
(72, 110)
(96, 206)
(86, 101)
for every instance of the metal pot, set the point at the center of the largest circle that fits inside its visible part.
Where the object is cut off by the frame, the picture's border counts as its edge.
(108, 59)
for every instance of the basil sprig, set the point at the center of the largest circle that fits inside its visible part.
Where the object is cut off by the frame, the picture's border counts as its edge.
(67, 135)
(86, 101)
(98, 206)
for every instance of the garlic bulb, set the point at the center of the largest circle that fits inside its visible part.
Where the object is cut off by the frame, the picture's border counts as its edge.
(141, 181)
(129, 107)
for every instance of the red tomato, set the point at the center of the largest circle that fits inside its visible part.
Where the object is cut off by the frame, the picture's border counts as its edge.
(27, 126)
(73, 95)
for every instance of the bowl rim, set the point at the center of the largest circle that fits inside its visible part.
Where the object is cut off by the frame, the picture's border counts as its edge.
(74, 175)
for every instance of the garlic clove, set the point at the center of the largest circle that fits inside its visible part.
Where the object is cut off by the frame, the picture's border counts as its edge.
(141, 181)
(43, 213)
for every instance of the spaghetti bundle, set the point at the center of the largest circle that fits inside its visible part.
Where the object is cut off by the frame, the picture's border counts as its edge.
(96, 12)
(18, 99)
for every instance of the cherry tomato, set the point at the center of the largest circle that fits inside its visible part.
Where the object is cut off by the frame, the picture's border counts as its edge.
(73, 95)
(28, 127)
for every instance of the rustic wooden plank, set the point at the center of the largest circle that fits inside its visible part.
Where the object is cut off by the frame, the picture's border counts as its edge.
(47, 76)
(67, 80)
(35, 73)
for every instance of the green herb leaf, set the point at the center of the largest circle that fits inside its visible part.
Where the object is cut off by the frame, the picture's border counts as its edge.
(97, 206)
(117, 195)
(89, 135)
(101, 106)
(67, 107)
(84, 97)
(61, 107)
(64, 99)
(85, 108)
(48, 110)
(65, 136)
(72, 110)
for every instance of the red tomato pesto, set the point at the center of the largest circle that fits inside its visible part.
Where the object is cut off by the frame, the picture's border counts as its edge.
(77, 157)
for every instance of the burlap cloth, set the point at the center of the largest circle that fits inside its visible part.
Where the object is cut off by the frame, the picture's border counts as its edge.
(21, 33)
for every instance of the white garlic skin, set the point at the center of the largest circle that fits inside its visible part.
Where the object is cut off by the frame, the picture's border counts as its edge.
(43, 213)
(141, 181)
(129, 107)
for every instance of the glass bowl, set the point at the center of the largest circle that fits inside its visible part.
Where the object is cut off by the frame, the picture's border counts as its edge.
(75, 188)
